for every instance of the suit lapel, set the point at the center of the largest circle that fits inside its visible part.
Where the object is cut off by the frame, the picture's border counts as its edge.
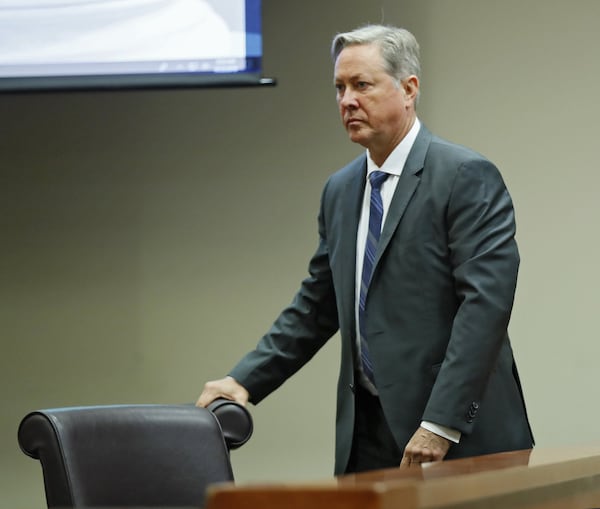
(352, 204)
(353, 192)
(407, 184)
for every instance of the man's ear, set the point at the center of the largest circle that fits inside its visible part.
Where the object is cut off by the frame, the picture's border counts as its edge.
(411, 87)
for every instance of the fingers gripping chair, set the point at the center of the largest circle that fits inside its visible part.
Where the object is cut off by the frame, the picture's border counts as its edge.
(134, 455)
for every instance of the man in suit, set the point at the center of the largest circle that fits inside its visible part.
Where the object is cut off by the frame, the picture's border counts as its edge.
(417, 267)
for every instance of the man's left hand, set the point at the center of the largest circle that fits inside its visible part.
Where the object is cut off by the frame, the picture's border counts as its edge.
(424, 446)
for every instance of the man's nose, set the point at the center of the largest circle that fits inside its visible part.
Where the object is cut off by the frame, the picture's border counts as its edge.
(348, 99)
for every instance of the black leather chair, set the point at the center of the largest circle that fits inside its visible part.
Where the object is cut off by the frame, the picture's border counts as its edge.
(134, 455)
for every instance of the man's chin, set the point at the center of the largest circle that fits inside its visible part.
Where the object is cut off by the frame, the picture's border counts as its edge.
(357, 138)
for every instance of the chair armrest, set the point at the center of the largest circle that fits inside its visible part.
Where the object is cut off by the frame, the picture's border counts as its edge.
(235, 420)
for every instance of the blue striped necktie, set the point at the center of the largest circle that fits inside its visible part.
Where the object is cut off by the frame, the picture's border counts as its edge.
(376, 179)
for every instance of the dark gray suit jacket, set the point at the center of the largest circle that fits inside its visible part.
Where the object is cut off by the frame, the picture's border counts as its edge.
(438, 305)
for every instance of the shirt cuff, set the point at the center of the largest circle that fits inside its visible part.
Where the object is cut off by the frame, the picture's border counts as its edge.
(443, 431)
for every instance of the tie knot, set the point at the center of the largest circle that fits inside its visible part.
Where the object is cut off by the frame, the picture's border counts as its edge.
(377, 178)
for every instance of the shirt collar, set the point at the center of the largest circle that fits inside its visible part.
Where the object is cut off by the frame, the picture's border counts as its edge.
(396, 160)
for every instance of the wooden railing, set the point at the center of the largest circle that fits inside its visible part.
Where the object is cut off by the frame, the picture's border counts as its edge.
(566, 478)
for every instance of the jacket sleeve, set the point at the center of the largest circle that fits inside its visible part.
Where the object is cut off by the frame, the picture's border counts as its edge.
(485, 260)
(298, 333)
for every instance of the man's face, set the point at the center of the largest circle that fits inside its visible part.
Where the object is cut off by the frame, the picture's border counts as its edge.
(376, 112)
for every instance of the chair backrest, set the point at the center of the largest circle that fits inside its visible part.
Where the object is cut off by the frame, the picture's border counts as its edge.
(133, 455)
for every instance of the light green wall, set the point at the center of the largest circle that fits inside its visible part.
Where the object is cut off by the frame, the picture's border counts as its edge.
(126, 276)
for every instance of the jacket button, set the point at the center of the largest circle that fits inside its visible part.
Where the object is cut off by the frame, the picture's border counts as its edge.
(351, 387)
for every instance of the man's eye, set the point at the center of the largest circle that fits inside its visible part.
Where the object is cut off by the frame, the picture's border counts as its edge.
(362, 84)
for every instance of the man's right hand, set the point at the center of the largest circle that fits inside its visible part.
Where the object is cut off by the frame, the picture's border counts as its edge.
(227, 388)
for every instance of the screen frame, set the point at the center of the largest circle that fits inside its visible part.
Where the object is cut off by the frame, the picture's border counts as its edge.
(169, 80)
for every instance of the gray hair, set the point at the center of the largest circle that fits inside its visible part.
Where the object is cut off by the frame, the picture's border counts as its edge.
(399, 48)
